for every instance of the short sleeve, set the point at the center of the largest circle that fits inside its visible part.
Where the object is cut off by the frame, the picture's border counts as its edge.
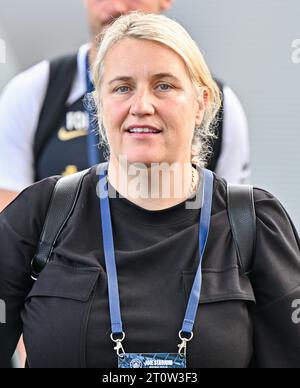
(234, 161)
(20, 227)
(276, 282)
(20, 105)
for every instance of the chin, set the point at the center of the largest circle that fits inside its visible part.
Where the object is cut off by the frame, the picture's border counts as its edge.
(144, 159)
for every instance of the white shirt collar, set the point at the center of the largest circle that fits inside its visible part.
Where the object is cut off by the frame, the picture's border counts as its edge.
(79, 84)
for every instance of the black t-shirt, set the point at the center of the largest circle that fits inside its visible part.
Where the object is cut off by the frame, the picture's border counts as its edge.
(241, 320)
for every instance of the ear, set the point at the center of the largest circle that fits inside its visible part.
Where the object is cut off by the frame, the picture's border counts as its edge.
(202, 102)
(166, 4)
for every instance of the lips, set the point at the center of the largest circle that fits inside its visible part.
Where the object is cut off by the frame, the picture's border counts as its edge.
(143, 130)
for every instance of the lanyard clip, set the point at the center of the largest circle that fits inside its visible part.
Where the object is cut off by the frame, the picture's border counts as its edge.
(183, 346)
(119, 347)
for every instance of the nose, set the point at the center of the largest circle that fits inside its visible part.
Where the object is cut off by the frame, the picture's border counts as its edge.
(119, 7)
(142, 104)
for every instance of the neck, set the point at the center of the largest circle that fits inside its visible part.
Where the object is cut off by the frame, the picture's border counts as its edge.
(156, 187)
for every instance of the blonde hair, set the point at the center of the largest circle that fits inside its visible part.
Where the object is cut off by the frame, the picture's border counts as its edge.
(161, 29)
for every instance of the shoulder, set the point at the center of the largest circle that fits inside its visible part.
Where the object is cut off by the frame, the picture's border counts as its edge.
(23, 219)
(230, 97)
(32, 199)
(231, 102)
(24, 94)
(20, 105)
(271, 212)
(268, 208)
(277, 237)
(41, 192)
(30, 208)
(276, 265)
(32, 81)
(233, 109)
(277, 252)
(233, 162)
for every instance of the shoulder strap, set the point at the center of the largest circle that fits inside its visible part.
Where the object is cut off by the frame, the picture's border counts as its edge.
(242, 217)
(62, 204)
(62, 74)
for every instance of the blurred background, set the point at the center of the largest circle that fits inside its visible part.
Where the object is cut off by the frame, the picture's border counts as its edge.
(248, 44)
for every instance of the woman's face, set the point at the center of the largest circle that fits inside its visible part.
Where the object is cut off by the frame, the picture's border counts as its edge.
(148, 103)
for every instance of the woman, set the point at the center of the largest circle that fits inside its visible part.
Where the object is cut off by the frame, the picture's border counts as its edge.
(123, 271)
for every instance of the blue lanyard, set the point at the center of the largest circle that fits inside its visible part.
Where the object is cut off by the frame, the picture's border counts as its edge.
(93, 151)
(110, 260)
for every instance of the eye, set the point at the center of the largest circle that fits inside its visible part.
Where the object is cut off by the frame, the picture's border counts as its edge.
(122, 89)
(164, 87)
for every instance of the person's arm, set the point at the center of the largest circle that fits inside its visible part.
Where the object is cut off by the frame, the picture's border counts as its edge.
(21, 224)
(234, 160)
(276, 283)
(20, 105)
(5, 198)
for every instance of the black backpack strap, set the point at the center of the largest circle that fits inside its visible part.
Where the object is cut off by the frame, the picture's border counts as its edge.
(242, 217)
(62, 204)
(61, 77)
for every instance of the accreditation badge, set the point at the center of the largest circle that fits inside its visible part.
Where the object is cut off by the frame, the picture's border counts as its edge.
(158, 360)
